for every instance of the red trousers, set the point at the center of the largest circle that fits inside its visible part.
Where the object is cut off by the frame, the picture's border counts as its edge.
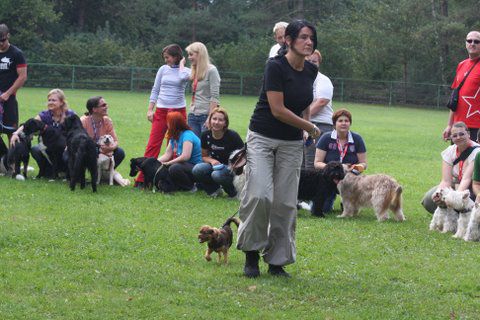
(157, 133)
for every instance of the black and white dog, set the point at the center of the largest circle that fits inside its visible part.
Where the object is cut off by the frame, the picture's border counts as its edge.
(82, 153)
(52, 143)
(155, 174)
(4, 168)
(315, 184)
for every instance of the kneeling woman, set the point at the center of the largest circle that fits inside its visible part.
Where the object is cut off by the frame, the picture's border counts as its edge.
(342, 145)
(183, 152)
(217, 144)
(54, 117)
(97, 123)
(457, 165)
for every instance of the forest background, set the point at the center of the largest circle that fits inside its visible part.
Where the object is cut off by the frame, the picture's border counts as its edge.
(393, 40)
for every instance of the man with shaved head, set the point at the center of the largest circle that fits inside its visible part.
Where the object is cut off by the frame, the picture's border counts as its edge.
(468, 108)
(13, 74)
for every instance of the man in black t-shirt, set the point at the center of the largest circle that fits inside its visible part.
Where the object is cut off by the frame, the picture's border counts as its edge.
(13, 74)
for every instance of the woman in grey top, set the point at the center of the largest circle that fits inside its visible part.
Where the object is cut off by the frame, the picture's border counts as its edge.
(205, 87)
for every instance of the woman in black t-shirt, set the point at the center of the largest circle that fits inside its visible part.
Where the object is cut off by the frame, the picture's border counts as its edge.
(217, 144)
(268, 207)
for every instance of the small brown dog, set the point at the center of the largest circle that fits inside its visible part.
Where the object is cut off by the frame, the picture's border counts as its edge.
(219, 240)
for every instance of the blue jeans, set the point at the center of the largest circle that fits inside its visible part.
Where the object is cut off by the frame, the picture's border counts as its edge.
(211, 179)
(197, 123)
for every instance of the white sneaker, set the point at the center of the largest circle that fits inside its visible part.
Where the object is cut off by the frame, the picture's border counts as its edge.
(29, 169)
(305, 206)
(194, 189)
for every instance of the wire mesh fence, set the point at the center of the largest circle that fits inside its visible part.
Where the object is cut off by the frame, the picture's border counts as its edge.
(141, 79)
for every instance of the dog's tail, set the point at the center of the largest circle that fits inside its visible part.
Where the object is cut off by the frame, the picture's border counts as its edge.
(230, 220)
(397, 199)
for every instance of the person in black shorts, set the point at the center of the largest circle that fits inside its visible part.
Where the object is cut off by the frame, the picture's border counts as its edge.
(13, 74)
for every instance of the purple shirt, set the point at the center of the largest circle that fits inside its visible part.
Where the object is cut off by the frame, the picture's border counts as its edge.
(47, 117)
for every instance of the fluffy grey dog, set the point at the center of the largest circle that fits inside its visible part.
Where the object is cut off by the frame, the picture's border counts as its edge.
(377, 191)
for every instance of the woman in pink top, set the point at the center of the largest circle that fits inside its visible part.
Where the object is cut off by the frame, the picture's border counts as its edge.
(97, 123)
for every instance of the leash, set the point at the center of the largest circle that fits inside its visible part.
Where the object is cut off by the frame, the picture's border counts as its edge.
(155, 176)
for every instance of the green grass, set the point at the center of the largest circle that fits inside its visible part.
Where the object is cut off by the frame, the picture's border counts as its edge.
(122, 253)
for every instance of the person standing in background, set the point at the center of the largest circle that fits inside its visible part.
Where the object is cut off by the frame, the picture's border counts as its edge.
(13, 74)
(205, 87)
(321, 110)
(468, 108)
(168, 95)
(279, 36)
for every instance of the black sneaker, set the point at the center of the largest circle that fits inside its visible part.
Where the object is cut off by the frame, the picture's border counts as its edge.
(251, 269)
(278, 271)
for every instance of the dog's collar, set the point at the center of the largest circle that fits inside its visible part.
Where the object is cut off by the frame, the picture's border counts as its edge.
(463, 211)
(155, 176)
(355, 172)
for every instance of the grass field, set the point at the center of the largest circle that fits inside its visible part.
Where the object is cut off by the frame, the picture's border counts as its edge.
(127, 254)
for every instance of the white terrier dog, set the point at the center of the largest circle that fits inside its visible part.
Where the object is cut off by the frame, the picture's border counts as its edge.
(473, 228)
(460, 201)
(440, 214)
(457, 218)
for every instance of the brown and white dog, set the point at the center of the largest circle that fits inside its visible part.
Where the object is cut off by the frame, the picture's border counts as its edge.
(377, 191)
(218, 240)
(105, 162)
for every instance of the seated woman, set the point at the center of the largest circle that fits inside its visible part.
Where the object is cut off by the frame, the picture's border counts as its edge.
(97, 123)
(342, 145)
(183, 152)
(53, 117)
(457, 165)
(217, 144)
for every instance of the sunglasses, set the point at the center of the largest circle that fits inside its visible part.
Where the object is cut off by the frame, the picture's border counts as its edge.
(458, 135)
(3, 40)
(475, 41)
(103, 105)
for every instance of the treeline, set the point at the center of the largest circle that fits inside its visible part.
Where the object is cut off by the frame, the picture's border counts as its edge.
(402, 40)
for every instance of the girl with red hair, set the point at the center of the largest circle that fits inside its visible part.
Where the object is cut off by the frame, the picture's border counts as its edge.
(183, 152)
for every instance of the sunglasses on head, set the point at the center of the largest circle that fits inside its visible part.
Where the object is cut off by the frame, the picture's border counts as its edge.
(475, 41)
(458, 135)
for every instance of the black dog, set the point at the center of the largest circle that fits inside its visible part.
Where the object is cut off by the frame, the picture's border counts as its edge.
(314, 185)
(155, 174)
(82, 153)
(19, 153)
(55, 143)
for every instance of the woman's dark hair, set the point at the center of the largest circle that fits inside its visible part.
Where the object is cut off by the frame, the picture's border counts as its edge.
(175, 51)
(92, 103)
(292, 31)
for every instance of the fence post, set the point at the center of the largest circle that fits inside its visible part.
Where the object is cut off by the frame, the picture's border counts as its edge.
(390, 94)
(438, 97)
(341, 90)
(73, 77)
(241, 84)
(131, 79)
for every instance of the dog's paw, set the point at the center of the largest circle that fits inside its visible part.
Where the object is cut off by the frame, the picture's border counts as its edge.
(208, 258)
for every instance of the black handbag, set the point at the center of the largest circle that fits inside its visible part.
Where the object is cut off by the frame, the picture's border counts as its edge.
(454, 96)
